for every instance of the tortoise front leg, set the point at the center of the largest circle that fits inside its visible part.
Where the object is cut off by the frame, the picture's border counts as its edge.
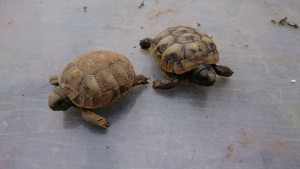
(222, 70)
(94, 119)
(53, 80)
(165, 84)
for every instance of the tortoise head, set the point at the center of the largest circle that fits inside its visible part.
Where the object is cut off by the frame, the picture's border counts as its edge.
(204, 75)
(57, 101)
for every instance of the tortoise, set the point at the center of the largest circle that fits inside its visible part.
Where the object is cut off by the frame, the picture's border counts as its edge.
(93, 80)
(185, 53)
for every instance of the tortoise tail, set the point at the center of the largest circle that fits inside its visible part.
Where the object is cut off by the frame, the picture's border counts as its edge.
(145, 43)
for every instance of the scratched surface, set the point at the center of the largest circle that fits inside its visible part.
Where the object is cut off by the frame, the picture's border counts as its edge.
(249, 121)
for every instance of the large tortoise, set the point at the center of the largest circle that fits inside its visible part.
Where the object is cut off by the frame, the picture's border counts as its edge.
(185, 53)
(93, 80)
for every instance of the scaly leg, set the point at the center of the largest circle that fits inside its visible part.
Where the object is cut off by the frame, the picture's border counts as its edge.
(94, 119)
(165, 84)
(53, 80)
(222, 70)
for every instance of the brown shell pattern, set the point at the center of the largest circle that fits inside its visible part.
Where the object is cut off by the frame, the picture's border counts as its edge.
(97, 79)
(180, 49)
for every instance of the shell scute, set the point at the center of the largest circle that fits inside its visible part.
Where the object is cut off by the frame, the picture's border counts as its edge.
(196, 51)
(165, 43)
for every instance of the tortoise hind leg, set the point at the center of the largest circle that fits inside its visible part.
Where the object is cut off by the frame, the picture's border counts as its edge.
(53, 80)
(94, 119)
(222, 70)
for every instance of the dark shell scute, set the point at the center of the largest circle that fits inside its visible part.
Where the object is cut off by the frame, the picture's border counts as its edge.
(190, 38)
(183, 31)
(172, 57)
(162, 48)
(193, 50)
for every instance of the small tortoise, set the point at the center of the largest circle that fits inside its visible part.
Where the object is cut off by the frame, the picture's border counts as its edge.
(93, 80)
(185, 53)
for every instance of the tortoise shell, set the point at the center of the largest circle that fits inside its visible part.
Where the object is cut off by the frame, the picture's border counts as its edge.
(180, 49)
(97, 79)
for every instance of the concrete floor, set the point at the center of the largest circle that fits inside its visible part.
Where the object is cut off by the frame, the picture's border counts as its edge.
(250, 120)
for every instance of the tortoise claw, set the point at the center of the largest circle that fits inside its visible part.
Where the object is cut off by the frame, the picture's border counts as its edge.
(157, 84)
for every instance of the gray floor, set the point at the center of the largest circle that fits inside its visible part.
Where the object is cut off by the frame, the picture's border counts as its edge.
(249, 121)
